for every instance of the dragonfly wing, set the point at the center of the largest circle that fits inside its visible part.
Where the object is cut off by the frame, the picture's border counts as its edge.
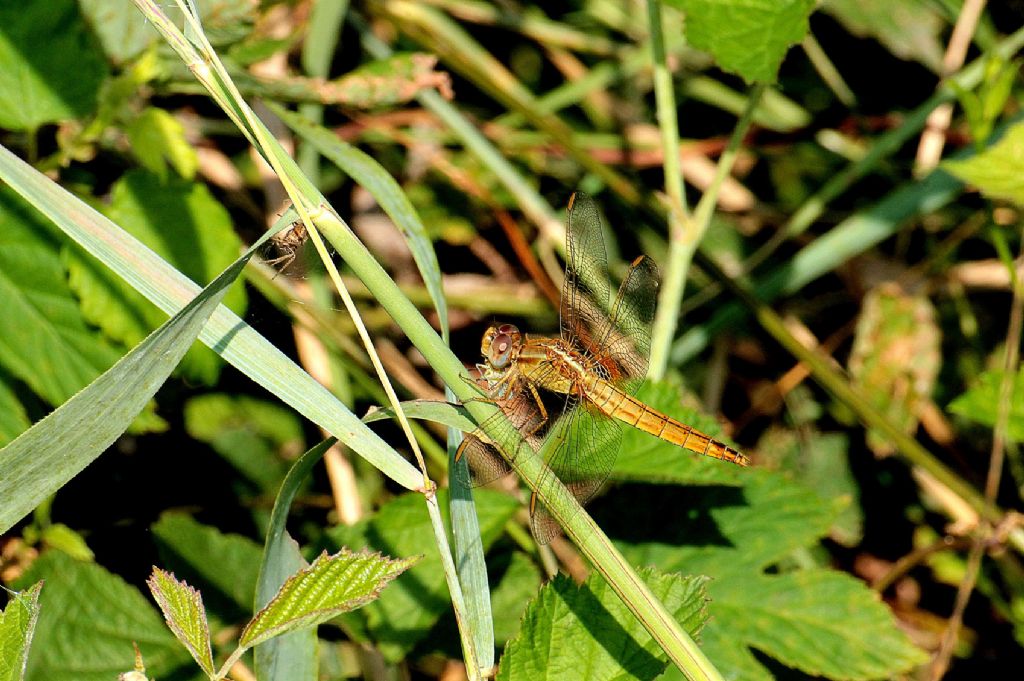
(585, 292)
(589, 442)
(627, 339)
(518, 422)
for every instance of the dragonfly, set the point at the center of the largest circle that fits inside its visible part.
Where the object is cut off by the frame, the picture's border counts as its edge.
(569, 396)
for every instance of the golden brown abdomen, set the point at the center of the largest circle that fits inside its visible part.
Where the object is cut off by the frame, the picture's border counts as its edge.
(617, 404)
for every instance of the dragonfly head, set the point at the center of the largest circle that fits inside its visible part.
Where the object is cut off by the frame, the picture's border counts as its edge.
(501, 345)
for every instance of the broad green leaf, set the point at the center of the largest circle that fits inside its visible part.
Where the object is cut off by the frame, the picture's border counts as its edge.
(896, 357)
(821, 461)
(387, 192)
(88, 620)
(402, 528)
(13, 419)
(228, 563)
(290, 656)
(17, 625)
(998, 171)
(643, 457)
(587, 633)
(157, 139)
(180, 221)
(735, 535)
(183, 611)
(913, 29)
(44, 339)
(54, 450)
(62, 537)
(520, 580)
(51, 66)
(981, 403)
(746, 37)
(823, 622)
(122, 29)
(251, 434)
(332, 585)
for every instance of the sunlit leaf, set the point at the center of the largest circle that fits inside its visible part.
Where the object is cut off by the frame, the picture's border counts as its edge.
(17, 624)
(184, 613)
(998, 171)
(586, 632)
(332, 585)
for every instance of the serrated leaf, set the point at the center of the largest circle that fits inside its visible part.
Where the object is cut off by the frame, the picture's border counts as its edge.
(823, 622)
(17, 625)
(44, 339)
(587, 633)
(735, 535)
(402, 528)
(51, 67)
(251, 434)
(88, 620)
(332, 585)
(821, 460)
(746, 37)
(998, 171)
(911, 29)
(981, 403)
(228, 563)
(157, 139)
(643, 457)
(185, 224)
(896, 357)
(184, 613)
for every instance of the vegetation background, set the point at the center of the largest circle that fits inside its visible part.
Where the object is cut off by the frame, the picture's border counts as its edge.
(841, 299)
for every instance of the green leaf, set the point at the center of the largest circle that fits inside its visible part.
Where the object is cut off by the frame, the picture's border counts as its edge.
(122, 29)
(44, 339)
(157, 139)
(747, 37)
(51, 67)
(60, 536)
(981, 403)
(332, 585)
(253, 435)
(402, 528)
(913, 30)
(226, 562)
(45, 457)
(180, 221)
(736, 535)
(998, 171)
(184, 613)
(88, 620)
(17, 624)
(821, 460)
(587, 633)
(13, 419)
(519, 583)
(823, 622)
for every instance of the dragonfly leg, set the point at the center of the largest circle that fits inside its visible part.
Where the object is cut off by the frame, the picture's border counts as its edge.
(540, 406)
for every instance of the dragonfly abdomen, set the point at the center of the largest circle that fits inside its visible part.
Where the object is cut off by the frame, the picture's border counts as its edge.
(617, 404)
